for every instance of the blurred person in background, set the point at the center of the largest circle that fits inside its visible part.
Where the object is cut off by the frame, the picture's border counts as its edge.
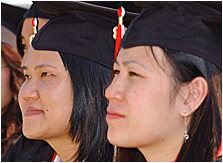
(11, 78)
(15, 147)
(23, 149)
(25, 32)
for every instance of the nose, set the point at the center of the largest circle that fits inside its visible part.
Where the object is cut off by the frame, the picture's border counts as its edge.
(115, 91)
(28, 91)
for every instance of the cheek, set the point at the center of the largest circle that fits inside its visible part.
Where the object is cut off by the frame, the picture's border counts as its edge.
(149, 94)
(56, 97)
(20, 97)
(6, 92)
(149, 103)
(5, 79)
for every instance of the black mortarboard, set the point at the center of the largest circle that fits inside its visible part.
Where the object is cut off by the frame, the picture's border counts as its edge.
(84, 29)
(33, 11)
(108, 8)
(10, 19)
(183, 26)
(79, 33)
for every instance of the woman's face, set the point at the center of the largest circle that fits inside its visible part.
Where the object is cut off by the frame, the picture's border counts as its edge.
(27, 30)
(6, 92)
(140, 111)
(46, 96)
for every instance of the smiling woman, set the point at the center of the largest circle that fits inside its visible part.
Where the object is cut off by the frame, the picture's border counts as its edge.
(44, 71)
(62, 99)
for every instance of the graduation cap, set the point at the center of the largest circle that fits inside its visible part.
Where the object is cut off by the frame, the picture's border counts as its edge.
(81, 29)
(81, 34)
(190, 27)
(34, 11)
(108, 9)
(11, 17)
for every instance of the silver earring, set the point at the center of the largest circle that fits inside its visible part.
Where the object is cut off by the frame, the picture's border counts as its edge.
(186, 136)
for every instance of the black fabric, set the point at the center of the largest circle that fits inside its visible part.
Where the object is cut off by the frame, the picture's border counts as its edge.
(217, 5)
(33, 11)
(183, 26)
(27, 150)
(79, 33)
(107, 9)
(11, 16)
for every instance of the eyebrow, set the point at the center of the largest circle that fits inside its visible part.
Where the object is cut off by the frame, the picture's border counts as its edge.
(115, 61)
(130, 62)
(39, 66)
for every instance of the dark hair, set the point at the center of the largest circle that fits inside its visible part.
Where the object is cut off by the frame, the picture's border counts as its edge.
(11, 121)
(205, 126)
(20, 46)
(87, 123)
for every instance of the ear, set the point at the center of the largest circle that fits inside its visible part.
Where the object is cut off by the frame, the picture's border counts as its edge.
(197, 91)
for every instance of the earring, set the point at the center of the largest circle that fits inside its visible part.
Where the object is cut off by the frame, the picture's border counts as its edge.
(186, 136)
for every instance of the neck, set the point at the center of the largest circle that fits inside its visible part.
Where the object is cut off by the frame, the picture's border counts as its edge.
(164, 151)
(64, 147)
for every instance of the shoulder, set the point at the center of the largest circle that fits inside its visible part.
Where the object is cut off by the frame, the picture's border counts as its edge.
(29, 150)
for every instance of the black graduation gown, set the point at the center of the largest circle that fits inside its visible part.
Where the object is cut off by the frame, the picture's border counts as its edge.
(27, 150)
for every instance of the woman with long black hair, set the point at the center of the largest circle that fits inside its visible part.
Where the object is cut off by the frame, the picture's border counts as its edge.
(165, 98)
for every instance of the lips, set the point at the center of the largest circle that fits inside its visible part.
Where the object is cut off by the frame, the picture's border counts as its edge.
(113, 114)
(31, 111)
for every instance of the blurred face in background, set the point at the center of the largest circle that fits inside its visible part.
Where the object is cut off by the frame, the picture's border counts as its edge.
(27, 30)
(6, 92)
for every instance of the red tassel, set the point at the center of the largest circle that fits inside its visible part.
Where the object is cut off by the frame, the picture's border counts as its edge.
(120, 32)
(118, 40)
(34, 21)
(175, 160)
(35, 24)
(54, 155)
(219, 153)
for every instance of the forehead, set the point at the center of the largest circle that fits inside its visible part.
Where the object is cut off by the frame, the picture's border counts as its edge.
(130, 53)
(144, 54)
(36, 57)
(27, 28)
(141, 53)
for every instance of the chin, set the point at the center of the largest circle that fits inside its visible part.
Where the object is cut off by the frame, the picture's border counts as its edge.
(30, 133)
(118, 140)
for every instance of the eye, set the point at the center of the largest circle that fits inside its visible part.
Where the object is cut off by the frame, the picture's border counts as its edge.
(27, 76)
(44, 74)
(24, 46)
(131, 73)
(116, 72)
